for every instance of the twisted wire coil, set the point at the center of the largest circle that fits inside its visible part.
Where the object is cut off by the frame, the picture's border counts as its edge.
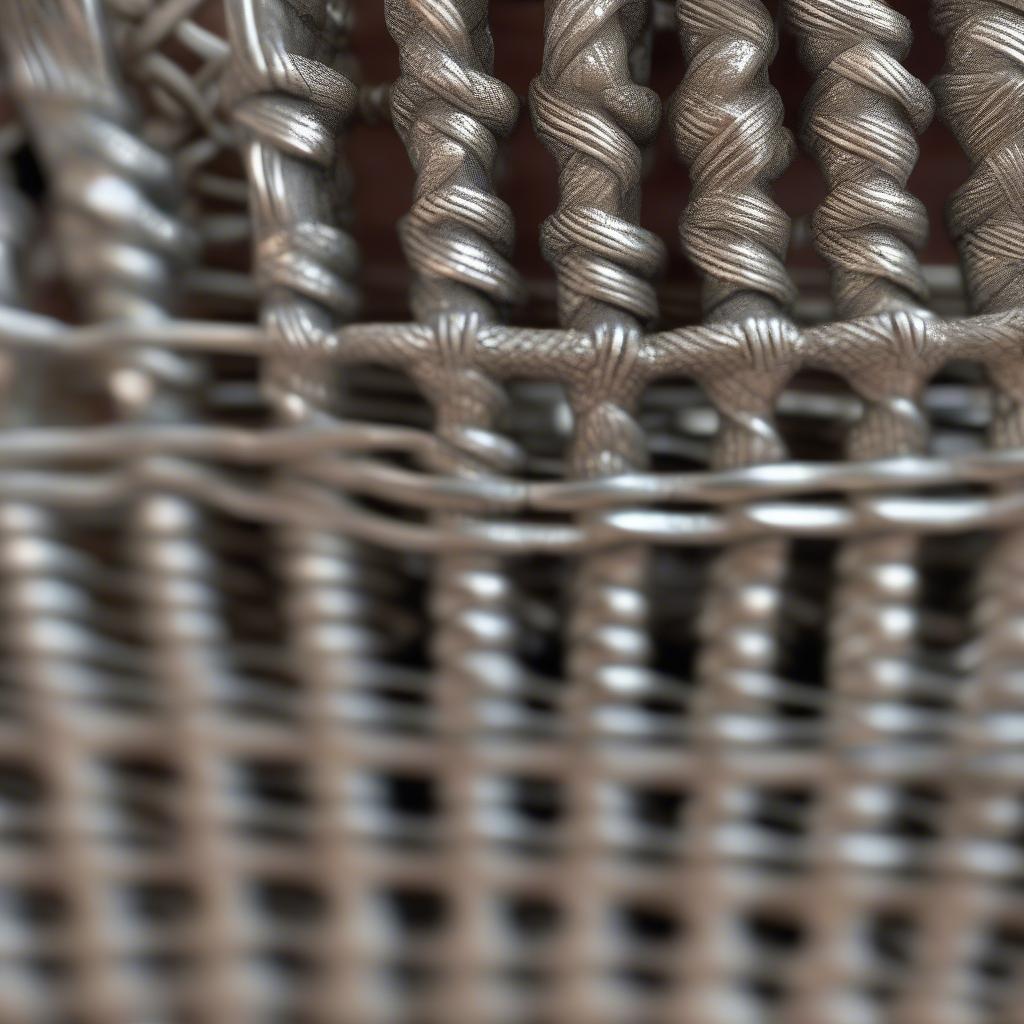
(355, 717)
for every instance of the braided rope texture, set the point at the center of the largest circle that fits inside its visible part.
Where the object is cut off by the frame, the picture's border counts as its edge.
(486, 665)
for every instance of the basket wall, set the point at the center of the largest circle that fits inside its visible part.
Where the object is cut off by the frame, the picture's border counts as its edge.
(563, 614)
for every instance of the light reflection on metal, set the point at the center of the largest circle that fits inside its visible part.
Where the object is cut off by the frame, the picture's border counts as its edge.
(669, 669)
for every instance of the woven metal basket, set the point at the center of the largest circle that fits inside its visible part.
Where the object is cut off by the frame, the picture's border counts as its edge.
(578, 632)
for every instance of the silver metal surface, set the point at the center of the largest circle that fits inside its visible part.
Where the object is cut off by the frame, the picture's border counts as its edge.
(480, 668)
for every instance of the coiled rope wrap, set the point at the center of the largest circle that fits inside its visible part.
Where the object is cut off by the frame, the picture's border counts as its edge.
(349, 773)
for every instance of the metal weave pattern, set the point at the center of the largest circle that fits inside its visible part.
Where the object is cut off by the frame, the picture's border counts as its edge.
(472, 669)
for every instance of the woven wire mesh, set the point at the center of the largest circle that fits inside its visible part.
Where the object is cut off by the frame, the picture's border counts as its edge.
(647, 655)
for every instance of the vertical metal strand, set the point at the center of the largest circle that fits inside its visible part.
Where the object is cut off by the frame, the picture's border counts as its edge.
(47, 636)
(979, 92)
(979, 97)
(123, 248)
(859, 122)
(727, 127)
(290, 102)
(589, 110)
(451, 112)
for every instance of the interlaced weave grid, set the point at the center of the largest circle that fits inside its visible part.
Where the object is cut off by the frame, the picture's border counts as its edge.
(467, 669)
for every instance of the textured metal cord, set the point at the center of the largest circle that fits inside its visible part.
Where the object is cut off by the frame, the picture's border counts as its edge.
(874, 675)
(978, 96)
(594, 126)
(984, 43)
(711, 353)
(727, 127)
(123, 247)
(603, 261)
(174, 59)
(450, 112)
(41, 603)
(727, 122)
(290, 103)
(126, 245)
(859, 122)
(590, 111)
(46, 637)
(304, 260)
(396, 835)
